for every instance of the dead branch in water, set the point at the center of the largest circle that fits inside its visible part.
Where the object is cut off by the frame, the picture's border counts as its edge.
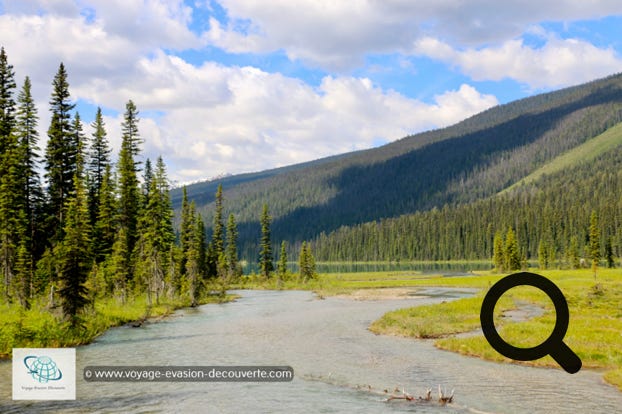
(397, 394)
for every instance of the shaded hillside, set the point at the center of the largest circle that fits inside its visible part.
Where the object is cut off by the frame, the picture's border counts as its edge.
(551, 212)
(462, 163)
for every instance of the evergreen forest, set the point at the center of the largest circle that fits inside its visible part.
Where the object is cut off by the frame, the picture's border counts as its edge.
(79, 224)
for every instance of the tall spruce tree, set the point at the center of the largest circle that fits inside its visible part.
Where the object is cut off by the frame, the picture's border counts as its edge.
(60, 154)
(30, 192)
(79, 143)
(7, 101)
(12, 217)
(498, 257)
(11, 228)
(282, 265)
(543, 255)
(186, 229)
(194, 254)
(512, 252)
(306, 262)
(216, 247)
(28, 138)
(266, 265)
(594, 241)
(105, 227)
(147, 178)
(128, 186)
(73, 253)
(156, 234)
(98, 162)
(232, 246)
(201, 243)
(218, 238)
(573, 253)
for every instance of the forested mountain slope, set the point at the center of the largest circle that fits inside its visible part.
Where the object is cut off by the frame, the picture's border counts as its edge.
(471, 160)
(550, 214)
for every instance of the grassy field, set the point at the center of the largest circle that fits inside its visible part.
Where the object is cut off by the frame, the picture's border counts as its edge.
(40, 327)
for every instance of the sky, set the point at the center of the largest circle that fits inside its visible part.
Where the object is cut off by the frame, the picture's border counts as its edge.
(233, 86)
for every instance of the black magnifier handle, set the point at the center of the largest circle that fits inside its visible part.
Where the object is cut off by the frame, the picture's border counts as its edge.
(566, 358)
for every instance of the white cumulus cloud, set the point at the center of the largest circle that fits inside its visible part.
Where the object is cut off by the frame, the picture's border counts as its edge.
(560, 62)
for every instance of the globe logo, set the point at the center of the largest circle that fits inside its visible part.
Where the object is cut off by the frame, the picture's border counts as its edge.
(42, 368)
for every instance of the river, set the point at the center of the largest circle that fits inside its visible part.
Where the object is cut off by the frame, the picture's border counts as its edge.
(328, 345)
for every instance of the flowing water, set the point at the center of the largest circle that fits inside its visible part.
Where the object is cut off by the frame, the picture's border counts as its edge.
(335, 358)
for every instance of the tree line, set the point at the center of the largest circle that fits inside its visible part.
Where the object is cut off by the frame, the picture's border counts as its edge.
(91, 228)
(566, 220)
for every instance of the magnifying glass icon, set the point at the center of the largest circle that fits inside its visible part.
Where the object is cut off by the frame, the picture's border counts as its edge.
(554, 345)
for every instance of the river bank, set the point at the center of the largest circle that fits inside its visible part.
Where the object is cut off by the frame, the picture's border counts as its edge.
(594, 331)
(41, 327)
(336, 361)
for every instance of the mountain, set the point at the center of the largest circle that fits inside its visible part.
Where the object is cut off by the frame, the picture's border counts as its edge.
(550, 212)
(469, 161)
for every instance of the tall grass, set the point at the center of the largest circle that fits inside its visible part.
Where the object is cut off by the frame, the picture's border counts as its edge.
(40, 327)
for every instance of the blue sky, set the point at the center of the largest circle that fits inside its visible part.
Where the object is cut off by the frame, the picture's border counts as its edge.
(231, 86)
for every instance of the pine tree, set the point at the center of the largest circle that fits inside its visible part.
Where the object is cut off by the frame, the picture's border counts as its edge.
(201, 241)
(266, 265)
(13, 223)
(60, 154)
(73, 253)
(131, 136)
(573, 253)
(218, 238)
(98, 162)
(147, 178)
(156, 234)
(186, 229)
(594, 241)
(195, 255)
(232, 246)
(29, 194)
(7, 102)
(216, 247)
(11, 196)
(105, 227)
(511, 252)
(24, 274)
(192, 273)
(120, 265)
(282, 265)
(306, 262)
(129, 194)
(543, 255)
(79, 143)
(609, 254)
(498, 255)
(28, 138)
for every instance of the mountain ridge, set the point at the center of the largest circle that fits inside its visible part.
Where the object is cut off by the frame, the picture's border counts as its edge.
(471, 160)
